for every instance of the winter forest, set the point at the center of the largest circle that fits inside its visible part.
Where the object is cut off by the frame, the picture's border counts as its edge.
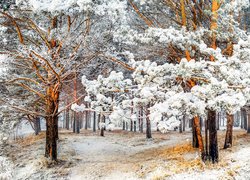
(124, 89)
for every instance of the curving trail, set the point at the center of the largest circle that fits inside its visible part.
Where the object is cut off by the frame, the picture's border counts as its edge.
(125, 155)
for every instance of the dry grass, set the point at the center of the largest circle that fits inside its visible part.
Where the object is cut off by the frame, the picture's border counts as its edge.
(31, 139)
(174, 159)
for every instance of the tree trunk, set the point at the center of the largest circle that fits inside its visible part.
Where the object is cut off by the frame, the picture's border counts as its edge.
(67, 119)
(148, 124)
(102, 125)
(123, 125)
(218, 121)
(86, 120)
(184, 123)
(199, 137)
(141, 116)
(248, 123)
(229, 134)
(180, 127)
(98, 121)
(77, 123)
(206, 137)
(52, 103)
(131, 121)
(195, 137)
(94, 122)
(134, 126)
(213, 144)
(74, 122)
(139, 120)
(245, 121)
(37, 126)
(201, 123)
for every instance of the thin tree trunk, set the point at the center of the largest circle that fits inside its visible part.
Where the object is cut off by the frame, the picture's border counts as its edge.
(180, 127)
(218, 121)
(86, 120)
(67, 119)
(206, 137)
(36, 125)
(94, 122)
(77, 123)
(74, 122)
(241, 119)
(248, 122)
(148, 124)
(139, 120)
(229, 134)
(141, 116)
(245, 121)
(102, 126)
(213, 144)
(184, 123)
(99, 120)
(131, 121)
(123, 125)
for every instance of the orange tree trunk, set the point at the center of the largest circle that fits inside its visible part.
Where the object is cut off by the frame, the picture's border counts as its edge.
(52, 102)
(229, 133)
(194, 133)
(199, 137)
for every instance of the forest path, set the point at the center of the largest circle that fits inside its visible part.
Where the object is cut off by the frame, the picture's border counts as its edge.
(127, 155)
(117, 155)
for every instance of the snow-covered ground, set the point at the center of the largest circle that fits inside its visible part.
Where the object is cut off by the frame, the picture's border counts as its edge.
(126, 155)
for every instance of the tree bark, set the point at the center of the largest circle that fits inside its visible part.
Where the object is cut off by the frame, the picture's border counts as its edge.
(52, 103)
(67, 119)
(98, 121)
(229, 134)
(131, 121)
(180, 127)
(206, 137)
(86, 120)
(141, 117)
(184, 123)
(148, 125)
(102, 126)
(123, 125)
(74, 122)
(77, 123)
(37, 126)
(194, 133)
(213, 144)
(134, 126)
(199, 137)
(218, 121)
(245, 120)
(94, 122)
(248, 123)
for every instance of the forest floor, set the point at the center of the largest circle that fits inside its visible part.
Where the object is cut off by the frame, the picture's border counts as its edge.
(126, 155)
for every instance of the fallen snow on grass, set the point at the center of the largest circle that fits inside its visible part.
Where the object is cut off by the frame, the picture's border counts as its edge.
(125, 156)
(6, 168)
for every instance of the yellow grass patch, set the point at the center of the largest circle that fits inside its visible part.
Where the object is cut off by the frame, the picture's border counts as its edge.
(31, 139)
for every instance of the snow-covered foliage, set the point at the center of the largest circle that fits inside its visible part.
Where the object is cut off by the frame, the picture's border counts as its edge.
(222, 85)
(78, 108)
